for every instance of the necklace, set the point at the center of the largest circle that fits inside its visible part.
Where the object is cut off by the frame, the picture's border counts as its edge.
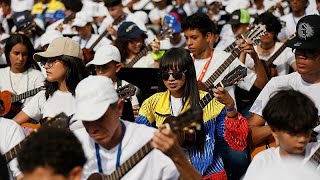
(11, 83)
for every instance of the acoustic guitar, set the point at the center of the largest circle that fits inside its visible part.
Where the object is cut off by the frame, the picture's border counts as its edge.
(60, 121)
(268, 143)
(167, 31)
(9, 100)
(190, 120)
(253, 34)
(87, 53)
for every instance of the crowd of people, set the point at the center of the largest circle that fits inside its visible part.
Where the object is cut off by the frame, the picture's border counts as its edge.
(251, 68)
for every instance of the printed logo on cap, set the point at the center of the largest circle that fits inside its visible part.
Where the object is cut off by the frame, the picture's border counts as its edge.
(305, 31)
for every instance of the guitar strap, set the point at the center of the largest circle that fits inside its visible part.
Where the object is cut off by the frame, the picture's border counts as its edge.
(97, 147)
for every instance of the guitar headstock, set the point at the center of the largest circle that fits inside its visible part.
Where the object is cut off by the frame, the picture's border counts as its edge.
(254, 33)
(190, 119)
(234, 76)
(166, 32)
(60, 121)
(125, 92)
(119, 19)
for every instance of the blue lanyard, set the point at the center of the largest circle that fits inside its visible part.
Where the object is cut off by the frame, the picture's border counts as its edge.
(118, 154)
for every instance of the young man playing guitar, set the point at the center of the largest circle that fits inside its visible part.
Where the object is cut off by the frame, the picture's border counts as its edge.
(109, 141)
(305, 80)
(199, 30)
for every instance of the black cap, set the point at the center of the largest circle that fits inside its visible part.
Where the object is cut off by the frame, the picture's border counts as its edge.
(307, 33)
(129, 30)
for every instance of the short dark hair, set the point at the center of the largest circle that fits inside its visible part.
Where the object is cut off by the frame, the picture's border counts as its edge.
(51, 147)
(291, 111)
(76, 71)
(272, 22)
(15, 39)
(200, 21)
(111, 3)
(73, 5)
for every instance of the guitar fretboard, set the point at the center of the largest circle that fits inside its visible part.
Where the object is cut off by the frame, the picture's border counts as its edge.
(275, 55)
(235, 53)
(142, 53)
(25, 95)
(12, 153)
(315, 158)
(230, 47)
(130, 163)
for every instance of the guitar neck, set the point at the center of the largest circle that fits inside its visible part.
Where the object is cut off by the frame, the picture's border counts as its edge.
(12, 153)
(124, 168)
(315, 158)
(275, 55)
(208, 97)
(142, 53)
(235, 53)
(25, 95)
(103, 34)
(230, 47)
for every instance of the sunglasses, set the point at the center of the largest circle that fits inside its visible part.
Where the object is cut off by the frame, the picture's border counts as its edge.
(177, 75)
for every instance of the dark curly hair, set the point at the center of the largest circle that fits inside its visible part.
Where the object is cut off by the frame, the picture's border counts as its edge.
(200, 21)
(291, 111)
(51, 147)
(15, 39)
(76, 71)
(272, 23)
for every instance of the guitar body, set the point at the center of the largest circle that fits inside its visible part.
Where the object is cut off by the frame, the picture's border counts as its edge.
(271, 70)
(5, 97)
(87, 55)
(270, 142)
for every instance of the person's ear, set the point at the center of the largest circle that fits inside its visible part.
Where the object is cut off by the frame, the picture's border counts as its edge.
(275, 136)
(119, 66)
(208, 37)
(120, 106)
(75, 173)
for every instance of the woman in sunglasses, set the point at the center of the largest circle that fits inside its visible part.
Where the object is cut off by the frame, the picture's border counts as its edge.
(65, 69)
(221, 121)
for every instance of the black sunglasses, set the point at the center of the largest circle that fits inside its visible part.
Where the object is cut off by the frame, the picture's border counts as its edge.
(177, 75)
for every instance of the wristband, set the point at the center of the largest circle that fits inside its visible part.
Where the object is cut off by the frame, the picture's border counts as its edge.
(230, 109)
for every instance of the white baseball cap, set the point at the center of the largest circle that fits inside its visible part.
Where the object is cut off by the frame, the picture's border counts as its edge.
(81, 19)
(94, 95)
(106, 54)
(208, 2)
(49, 36)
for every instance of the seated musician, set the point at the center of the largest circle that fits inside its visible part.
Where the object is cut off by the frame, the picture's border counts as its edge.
(291, 116)
(109, 141)
(220, 116)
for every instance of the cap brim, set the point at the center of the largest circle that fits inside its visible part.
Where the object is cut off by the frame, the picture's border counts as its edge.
(83, 112)
(45, 54)
(98, 62)
(233, 22)
(297, 43)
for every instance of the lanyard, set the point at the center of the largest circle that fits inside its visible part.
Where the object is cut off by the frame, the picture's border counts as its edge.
(205, 68)
(85, 45)
(118, 153)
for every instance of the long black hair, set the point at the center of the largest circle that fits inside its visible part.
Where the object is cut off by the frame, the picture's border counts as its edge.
(180, 59)
(21, 39)
(76, 71)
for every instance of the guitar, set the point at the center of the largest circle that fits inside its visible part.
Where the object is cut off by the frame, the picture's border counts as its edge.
(268, 65)
(8, 99)
(256, 32)
(268, 143)
(87, 53)
(185, 122)
(60, 121)
(192, 118)
(124, 92)
(166, 32)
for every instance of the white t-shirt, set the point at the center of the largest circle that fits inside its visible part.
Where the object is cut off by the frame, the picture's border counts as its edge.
(290, 81)
(39, 108)
(283, 61)
(87, 43)
(154, 166)
(218, 58)
(272, 156)
(227, 37)
(10, 135)
(18, 83)
(166, 44)
(157, 14)
(290, 28)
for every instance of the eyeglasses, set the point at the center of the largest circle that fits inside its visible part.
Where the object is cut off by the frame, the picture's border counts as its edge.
(177, 75)
(309, 54)
(50, 62)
